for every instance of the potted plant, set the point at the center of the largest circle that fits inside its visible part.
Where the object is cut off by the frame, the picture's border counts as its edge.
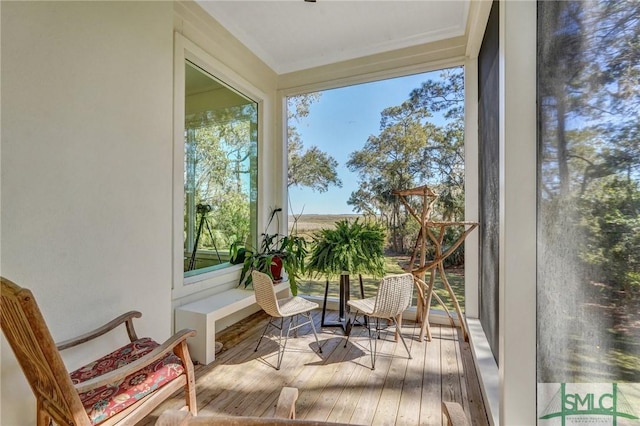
(351, 247)
(276, 252)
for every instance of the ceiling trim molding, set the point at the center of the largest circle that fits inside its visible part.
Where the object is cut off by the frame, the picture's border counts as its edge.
(476, 26)
(371, 50)
(411, 60)
(195, 24)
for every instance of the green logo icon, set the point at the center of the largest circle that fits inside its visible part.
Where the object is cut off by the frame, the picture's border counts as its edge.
(605, 404)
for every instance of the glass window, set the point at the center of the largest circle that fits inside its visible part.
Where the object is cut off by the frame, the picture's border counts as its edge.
(220, 171)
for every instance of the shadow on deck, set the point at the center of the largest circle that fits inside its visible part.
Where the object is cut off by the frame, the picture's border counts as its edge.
(338, 385)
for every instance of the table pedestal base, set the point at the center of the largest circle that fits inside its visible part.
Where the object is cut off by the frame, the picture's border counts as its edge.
(343, 308)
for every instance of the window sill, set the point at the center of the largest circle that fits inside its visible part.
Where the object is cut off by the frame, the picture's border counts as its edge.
(220, 279)
(487, 369)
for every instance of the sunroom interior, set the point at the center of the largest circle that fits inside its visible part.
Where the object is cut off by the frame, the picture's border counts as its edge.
(91, 168)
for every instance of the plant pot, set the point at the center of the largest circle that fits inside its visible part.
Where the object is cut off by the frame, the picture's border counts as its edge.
(276, 268)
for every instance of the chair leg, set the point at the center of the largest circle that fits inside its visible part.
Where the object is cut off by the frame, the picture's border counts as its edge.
(282, 347)
(190, 388)
(398, 333)
(355, 316)
(373, 343)
(263, 333)
(373, 339)
(313, 328)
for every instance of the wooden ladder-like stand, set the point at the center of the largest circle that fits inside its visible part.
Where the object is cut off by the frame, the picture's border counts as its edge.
(434, 231)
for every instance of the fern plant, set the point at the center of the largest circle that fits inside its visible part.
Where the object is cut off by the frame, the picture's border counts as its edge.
(352, 247)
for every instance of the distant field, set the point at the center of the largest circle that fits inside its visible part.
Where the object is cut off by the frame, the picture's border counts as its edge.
(314, 285)
(308, 223)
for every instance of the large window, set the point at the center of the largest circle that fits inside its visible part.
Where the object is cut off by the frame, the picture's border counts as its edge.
(350, 148)
(220, 171)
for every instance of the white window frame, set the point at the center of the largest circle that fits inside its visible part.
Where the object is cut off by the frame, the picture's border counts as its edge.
(184, 50)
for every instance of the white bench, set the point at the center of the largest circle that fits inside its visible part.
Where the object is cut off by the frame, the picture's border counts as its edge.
(202, 315)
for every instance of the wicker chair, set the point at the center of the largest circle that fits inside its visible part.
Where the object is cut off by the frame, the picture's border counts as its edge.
(118, 389)
(291, 308)
(393, 298)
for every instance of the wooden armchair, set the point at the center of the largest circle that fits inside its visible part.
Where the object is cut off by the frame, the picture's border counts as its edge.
(118, 389)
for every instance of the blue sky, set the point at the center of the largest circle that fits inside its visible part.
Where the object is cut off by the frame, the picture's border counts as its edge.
(339, 124)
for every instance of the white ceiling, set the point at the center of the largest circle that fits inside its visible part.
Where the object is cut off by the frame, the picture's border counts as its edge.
(291, 35)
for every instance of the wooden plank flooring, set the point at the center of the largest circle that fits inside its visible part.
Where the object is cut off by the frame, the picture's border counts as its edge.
(338, 385)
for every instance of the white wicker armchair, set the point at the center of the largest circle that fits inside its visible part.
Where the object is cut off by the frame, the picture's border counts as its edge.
(393, 298)
(290, 307)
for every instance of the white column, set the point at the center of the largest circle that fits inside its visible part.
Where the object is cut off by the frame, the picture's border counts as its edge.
(471, 194)
(517, 334)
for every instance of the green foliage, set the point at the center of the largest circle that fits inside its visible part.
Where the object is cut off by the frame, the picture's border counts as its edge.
(412, 150)
(451, 235)
(230, 220)
(298, 106)
(290, 249)
(590, 152)
(311, 168)
(610, 219)
(220, 148)
(352, 246)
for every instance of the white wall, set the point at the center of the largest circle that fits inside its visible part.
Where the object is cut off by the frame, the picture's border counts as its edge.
(86, 190)
(86, 170)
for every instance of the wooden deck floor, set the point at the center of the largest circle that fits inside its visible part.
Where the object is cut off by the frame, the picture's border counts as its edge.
(338, 385)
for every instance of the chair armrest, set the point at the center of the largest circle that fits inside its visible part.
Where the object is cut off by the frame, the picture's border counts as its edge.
(454, 414)
(126, 318)
(286, 407)
(113, 376)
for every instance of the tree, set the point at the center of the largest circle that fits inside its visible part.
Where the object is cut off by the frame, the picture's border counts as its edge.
(446, 156)
(412, 150)
(590, 142)
(311, 168)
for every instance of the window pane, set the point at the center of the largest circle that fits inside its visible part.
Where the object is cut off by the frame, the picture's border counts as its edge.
(220, 159)
(350, 148)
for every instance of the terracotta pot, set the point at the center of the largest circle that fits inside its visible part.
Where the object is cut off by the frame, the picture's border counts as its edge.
(276, 268)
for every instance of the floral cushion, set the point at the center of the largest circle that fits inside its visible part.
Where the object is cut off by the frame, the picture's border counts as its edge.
(102, 403)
